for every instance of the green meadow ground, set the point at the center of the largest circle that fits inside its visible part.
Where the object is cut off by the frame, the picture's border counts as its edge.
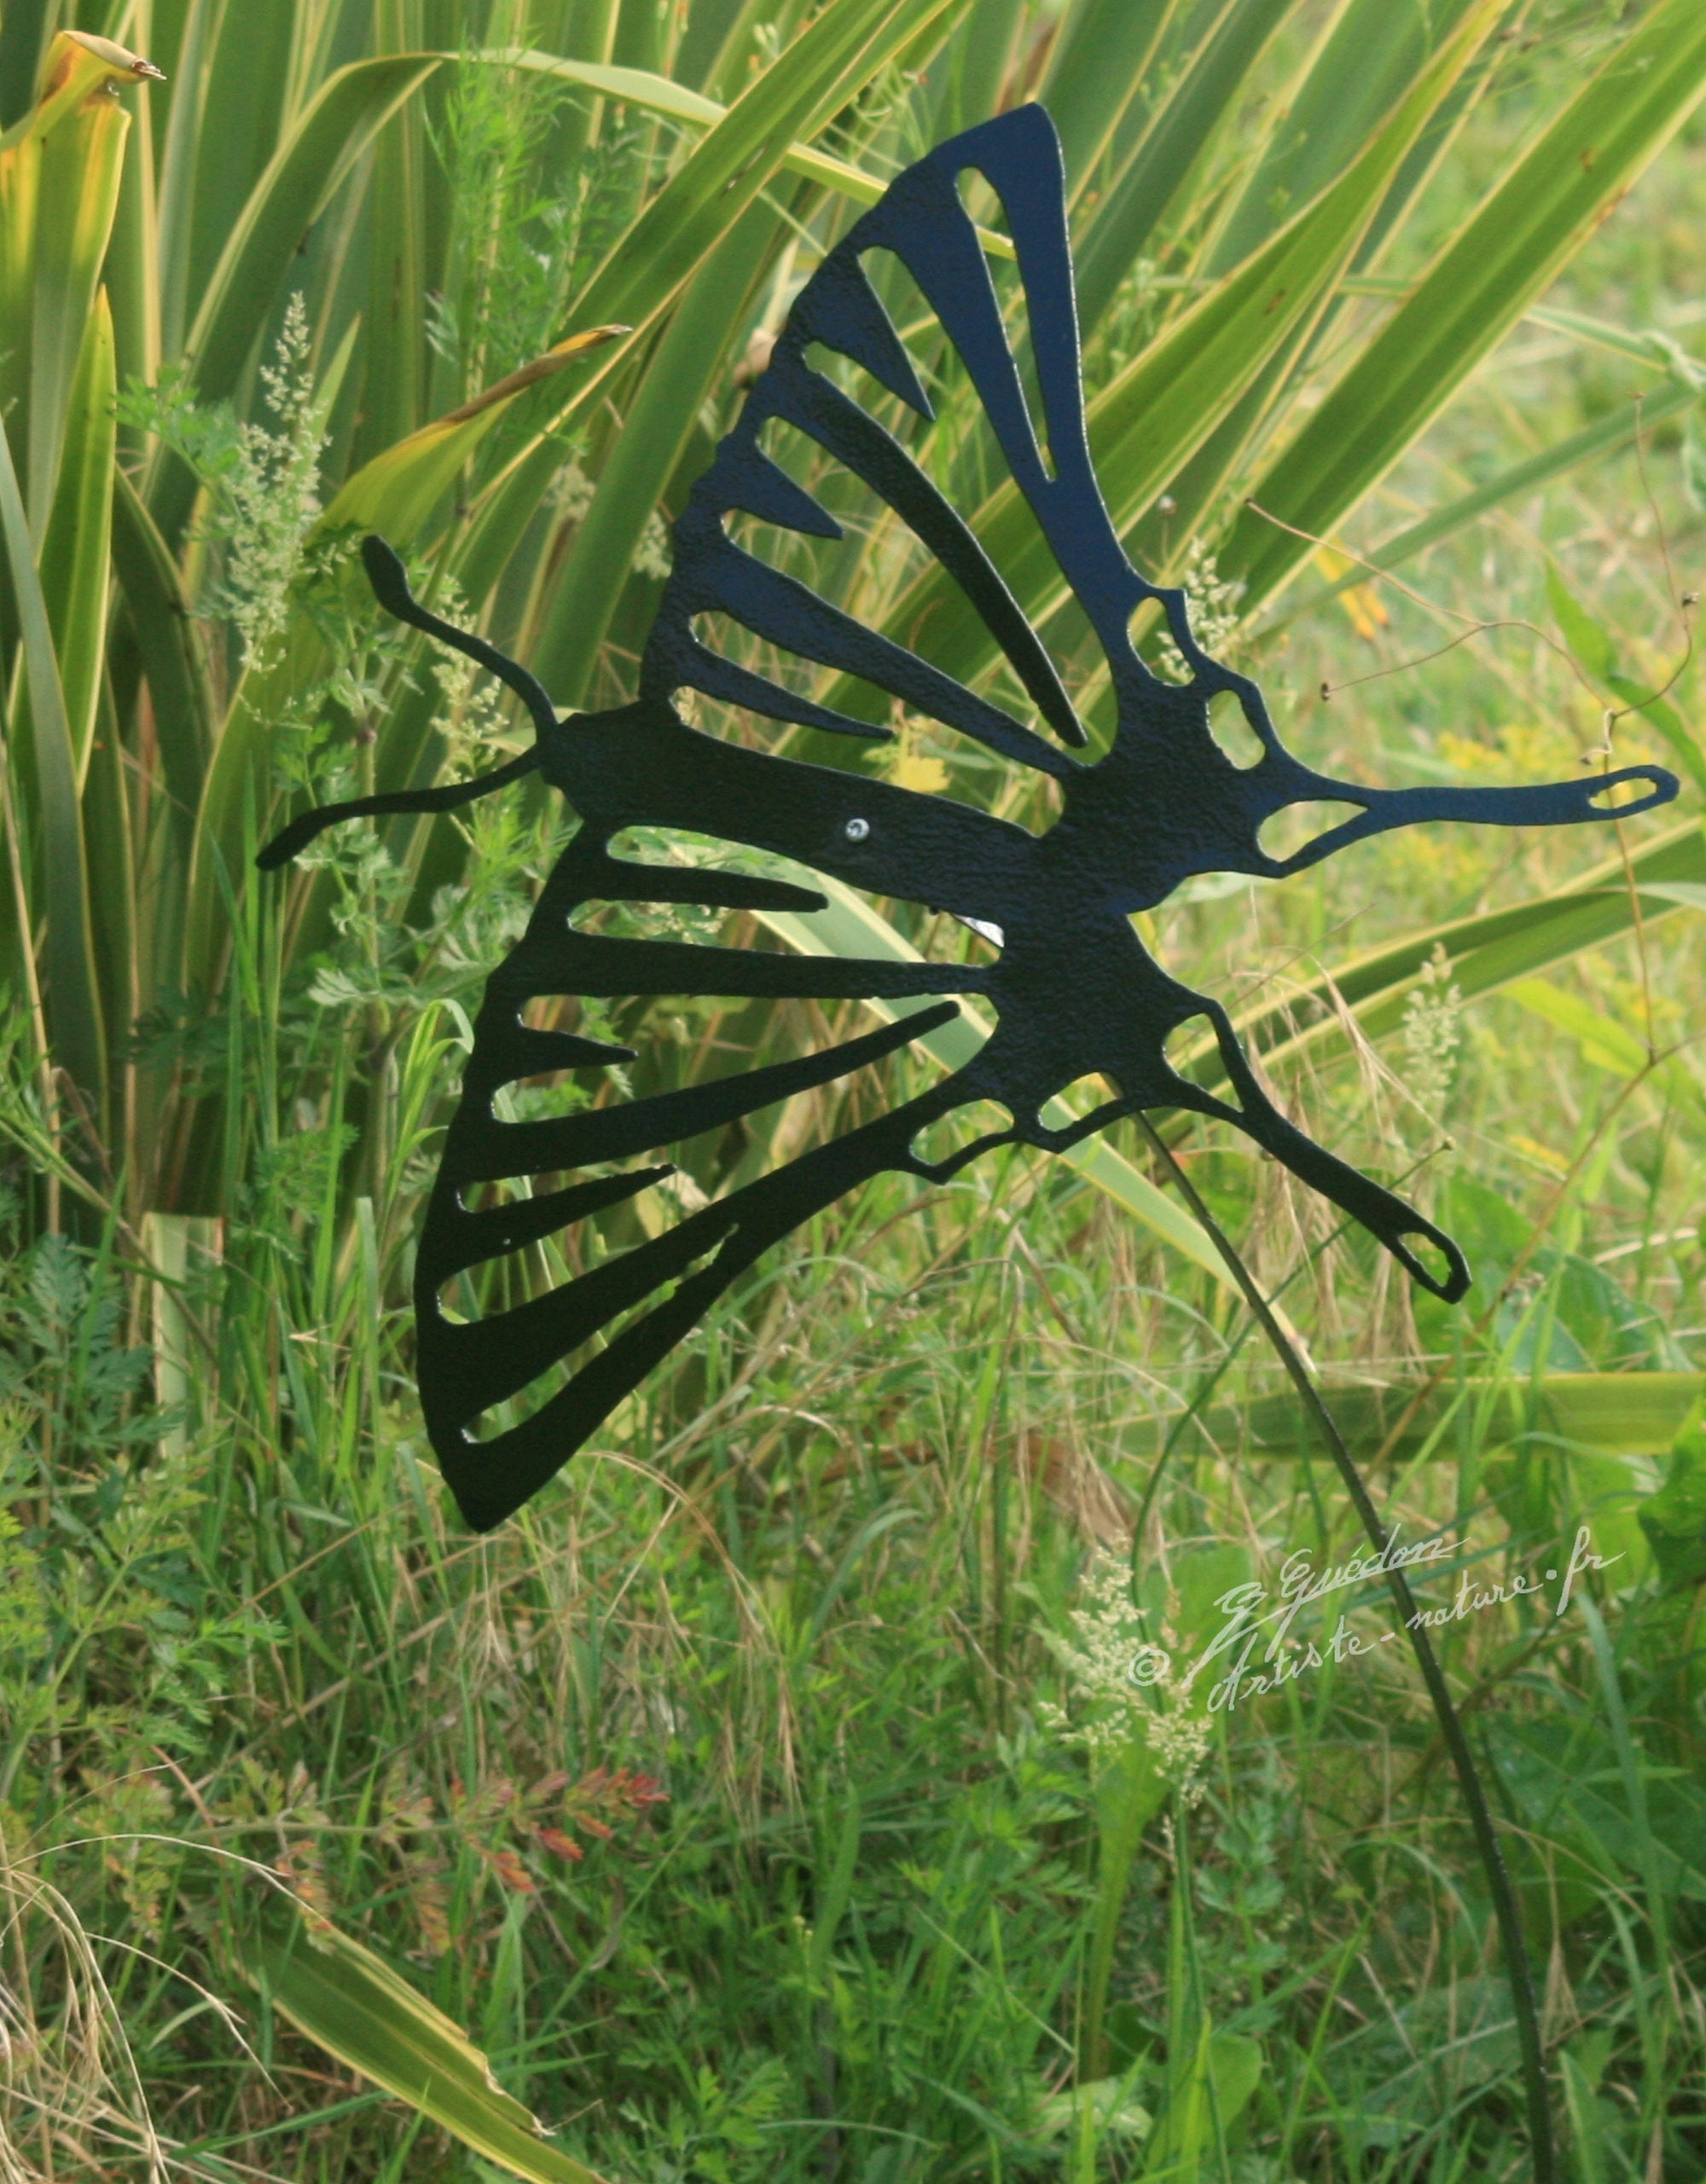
(772, 1797)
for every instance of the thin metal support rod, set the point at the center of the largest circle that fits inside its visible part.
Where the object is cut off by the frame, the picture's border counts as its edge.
(1517, 1968)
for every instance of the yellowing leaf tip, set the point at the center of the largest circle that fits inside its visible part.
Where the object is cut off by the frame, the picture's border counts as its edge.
(118, 56)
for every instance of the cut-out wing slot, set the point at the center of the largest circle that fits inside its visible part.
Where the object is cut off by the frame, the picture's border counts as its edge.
(706, 886)
(483, 1150)
(922, 221)
(791, 616)
(693, 666)
(856, 440)
(494, 1231)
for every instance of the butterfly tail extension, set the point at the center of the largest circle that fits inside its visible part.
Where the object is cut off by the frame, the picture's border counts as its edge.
(1546, 803)
(1386, 1216)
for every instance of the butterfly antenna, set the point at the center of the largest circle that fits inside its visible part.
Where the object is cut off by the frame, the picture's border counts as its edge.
(390, 581)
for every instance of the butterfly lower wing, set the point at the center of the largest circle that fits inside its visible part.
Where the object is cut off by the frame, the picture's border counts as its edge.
(508, 1186)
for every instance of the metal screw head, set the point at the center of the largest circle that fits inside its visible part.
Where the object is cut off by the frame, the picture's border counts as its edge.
(857, 829)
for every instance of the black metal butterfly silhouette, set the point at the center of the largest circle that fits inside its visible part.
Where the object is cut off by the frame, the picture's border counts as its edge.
(1075, 994)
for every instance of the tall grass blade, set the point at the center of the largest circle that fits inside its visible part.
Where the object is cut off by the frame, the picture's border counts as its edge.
(824, 68)
(68, 943)
(351, 2002)
(255, 265)
(1609, 435)
(1503, 257)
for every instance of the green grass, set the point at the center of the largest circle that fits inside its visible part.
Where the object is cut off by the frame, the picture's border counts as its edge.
(738, 1800)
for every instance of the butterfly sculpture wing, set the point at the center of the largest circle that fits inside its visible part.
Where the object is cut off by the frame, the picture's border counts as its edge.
(1074, 993)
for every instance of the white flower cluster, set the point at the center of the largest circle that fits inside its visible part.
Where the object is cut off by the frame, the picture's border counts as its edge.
(1120, 1682)
(1432, 1031)
(270, 501)
(652, 555)
(1179, 1741)
(470, 716)
(572, 491)
(572, 494)
(1214, 610)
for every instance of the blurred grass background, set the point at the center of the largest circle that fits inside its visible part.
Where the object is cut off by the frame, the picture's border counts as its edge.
(763, 1800)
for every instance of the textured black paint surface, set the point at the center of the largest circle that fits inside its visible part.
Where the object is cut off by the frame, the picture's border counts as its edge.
(1073, 990)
